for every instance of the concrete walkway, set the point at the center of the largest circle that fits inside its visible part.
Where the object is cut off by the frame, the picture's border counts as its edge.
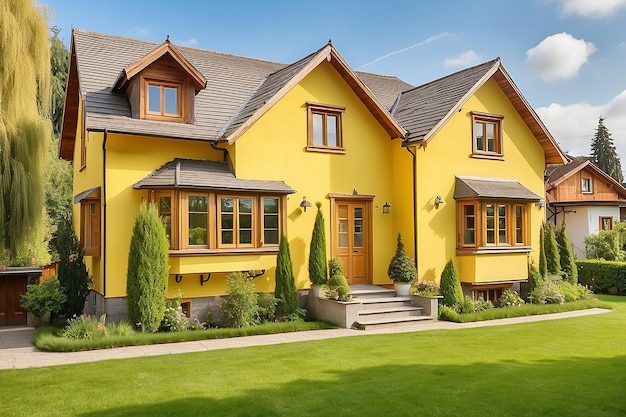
(17, 351)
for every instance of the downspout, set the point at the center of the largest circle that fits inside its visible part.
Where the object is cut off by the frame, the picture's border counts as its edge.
(414, 203)
(217, 148)
(104, 211)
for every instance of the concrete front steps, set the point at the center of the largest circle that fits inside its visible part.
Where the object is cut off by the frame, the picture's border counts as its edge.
(381, 308)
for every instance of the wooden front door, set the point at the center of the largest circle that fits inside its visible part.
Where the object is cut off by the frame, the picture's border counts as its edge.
(11, 289)
(351, 239)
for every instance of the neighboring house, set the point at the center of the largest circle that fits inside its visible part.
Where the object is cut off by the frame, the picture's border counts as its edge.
(233, 150)
(585, 198)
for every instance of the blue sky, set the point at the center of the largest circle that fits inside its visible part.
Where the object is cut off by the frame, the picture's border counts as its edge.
(568, 57)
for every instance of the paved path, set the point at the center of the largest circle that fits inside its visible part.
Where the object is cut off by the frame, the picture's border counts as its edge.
(17, 351)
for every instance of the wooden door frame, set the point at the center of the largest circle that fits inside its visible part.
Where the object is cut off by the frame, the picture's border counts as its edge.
(368, 200)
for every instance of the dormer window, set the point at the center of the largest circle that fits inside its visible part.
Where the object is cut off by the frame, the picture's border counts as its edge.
(163, 99)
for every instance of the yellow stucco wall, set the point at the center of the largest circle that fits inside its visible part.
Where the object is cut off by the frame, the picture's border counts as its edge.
(449, 153)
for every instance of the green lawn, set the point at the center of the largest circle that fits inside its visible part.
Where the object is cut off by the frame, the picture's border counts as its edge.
(569, 367)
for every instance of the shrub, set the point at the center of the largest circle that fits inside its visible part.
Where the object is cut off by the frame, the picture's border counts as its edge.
(603, 276)
(605, 245)
(553, 260)
(450, 286)
(510, 298)
(481, 304)
(240, 304)
(85, 327)
(146, 285)
(174, 319)
(267, 307)
(335, 267)
(285, 290)
(73, 276)
(568, 266)
(546, 293)
(466, 306)
(44, 299)
(574, 292)
(401, 268)
(448, 313)
(318, 270)
(426, 288)
(534, 276)
(338, 288)
(543, 263)
(122, 328)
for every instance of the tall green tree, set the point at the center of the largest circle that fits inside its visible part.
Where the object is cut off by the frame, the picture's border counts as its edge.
(553, 259)
(604, 154)
(318, 268)
(73, 276)
(59, 59)
(146, 282)
(285, 291)
(24, 128)
(543, 263)
(568, 264)
(450, 286)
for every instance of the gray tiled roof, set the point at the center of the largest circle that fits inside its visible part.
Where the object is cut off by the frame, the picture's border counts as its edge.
(206, 175)
(555, 172)
(492, 188)
(236, 86)
(422, 107)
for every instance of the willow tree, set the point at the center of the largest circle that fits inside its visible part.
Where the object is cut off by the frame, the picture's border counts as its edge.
(24, 126)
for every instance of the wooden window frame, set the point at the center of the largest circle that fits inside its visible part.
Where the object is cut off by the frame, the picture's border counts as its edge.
(236, 227)
(601, 220)
(90, 218)
(485, 119)
(589, 189)
(480, 225)
(185, 220)
(262, 215)
(325, 110)
(173, 238)
(162, 115)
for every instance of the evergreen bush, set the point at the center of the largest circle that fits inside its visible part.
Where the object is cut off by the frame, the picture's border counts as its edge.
(553, 261)
(450, 286)
(338, 288)
(240, 304)
(543, 263)
(566, 255)
(318, 270)
(73, 277)
(401, 268)
(335, 267)
(605, 245)
(602, 276)
(266, 308)
(285, 290)
(146, 285)
(44, 299)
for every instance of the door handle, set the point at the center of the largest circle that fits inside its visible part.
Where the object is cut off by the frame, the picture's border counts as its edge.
(355, 251)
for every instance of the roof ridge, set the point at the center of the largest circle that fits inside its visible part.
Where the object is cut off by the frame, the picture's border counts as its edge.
(440, 79)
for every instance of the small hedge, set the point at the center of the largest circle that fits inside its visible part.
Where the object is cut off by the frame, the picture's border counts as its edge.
(601, 276)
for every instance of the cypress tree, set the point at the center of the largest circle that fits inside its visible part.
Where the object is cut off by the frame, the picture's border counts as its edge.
(146, 283)
(318, 269)
(543, 263)
(73, 276)
(285, 290)
(604, 154)
(24, 129)
(401, 268)
(450, 286)
(568, 264)
(552, 250)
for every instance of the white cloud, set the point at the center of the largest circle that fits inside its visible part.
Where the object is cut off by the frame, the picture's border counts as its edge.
(558, 56)
(574, 125)
(466, 59)
(592, 8)
(191, 42)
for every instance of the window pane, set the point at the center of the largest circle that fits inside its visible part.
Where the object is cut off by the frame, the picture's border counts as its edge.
(165, 212)
(245, 237)
(171, 100)
(331, 130)
(227, 205)
(270, 205)
(502, 223)
(491, 137)
(227, 237)
(270, 237)
(270, 221)
(491, 233)
(317, 129)
(227, 221)
(519, 232)
(245, 221)
(245, 205)
(469, 228)
(478, 132)
(154, 98)
(197, 206)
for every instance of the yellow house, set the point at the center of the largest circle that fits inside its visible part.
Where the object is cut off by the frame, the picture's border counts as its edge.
(234, 150)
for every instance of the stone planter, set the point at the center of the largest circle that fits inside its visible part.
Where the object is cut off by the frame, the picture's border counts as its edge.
(315, 291)
(430, 304)
(402, 288)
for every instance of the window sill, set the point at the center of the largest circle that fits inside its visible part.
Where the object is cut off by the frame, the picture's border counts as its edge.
(492, 250)
(266, 250)
(491, 156)
(324, 149)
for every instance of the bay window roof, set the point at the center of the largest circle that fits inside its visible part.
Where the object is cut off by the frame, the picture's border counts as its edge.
(483, 188)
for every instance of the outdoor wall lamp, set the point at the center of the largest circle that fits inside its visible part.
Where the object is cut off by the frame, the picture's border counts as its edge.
(305, 204)
(541, 203)
(386, 208)
(438, 201)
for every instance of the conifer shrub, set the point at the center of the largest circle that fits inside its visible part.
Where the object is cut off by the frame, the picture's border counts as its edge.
(318, 269)
(553, 261)
(338, 288)
(146, 285)
(335, 267)
(401, 268)
(450, 286)
(73, 277)
(240, 304)
(566, 256)
(543, 263)
(285, 290)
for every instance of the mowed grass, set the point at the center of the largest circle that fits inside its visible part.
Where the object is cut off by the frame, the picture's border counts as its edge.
(568, 367)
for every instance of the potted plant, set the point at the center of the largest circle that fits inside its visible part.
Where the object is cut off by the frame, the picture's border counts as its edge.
(318, 268)
(401, 270)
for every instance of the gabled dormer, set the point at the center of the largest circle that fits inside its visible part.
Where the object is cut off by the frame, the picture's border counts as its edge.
(162, 85)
